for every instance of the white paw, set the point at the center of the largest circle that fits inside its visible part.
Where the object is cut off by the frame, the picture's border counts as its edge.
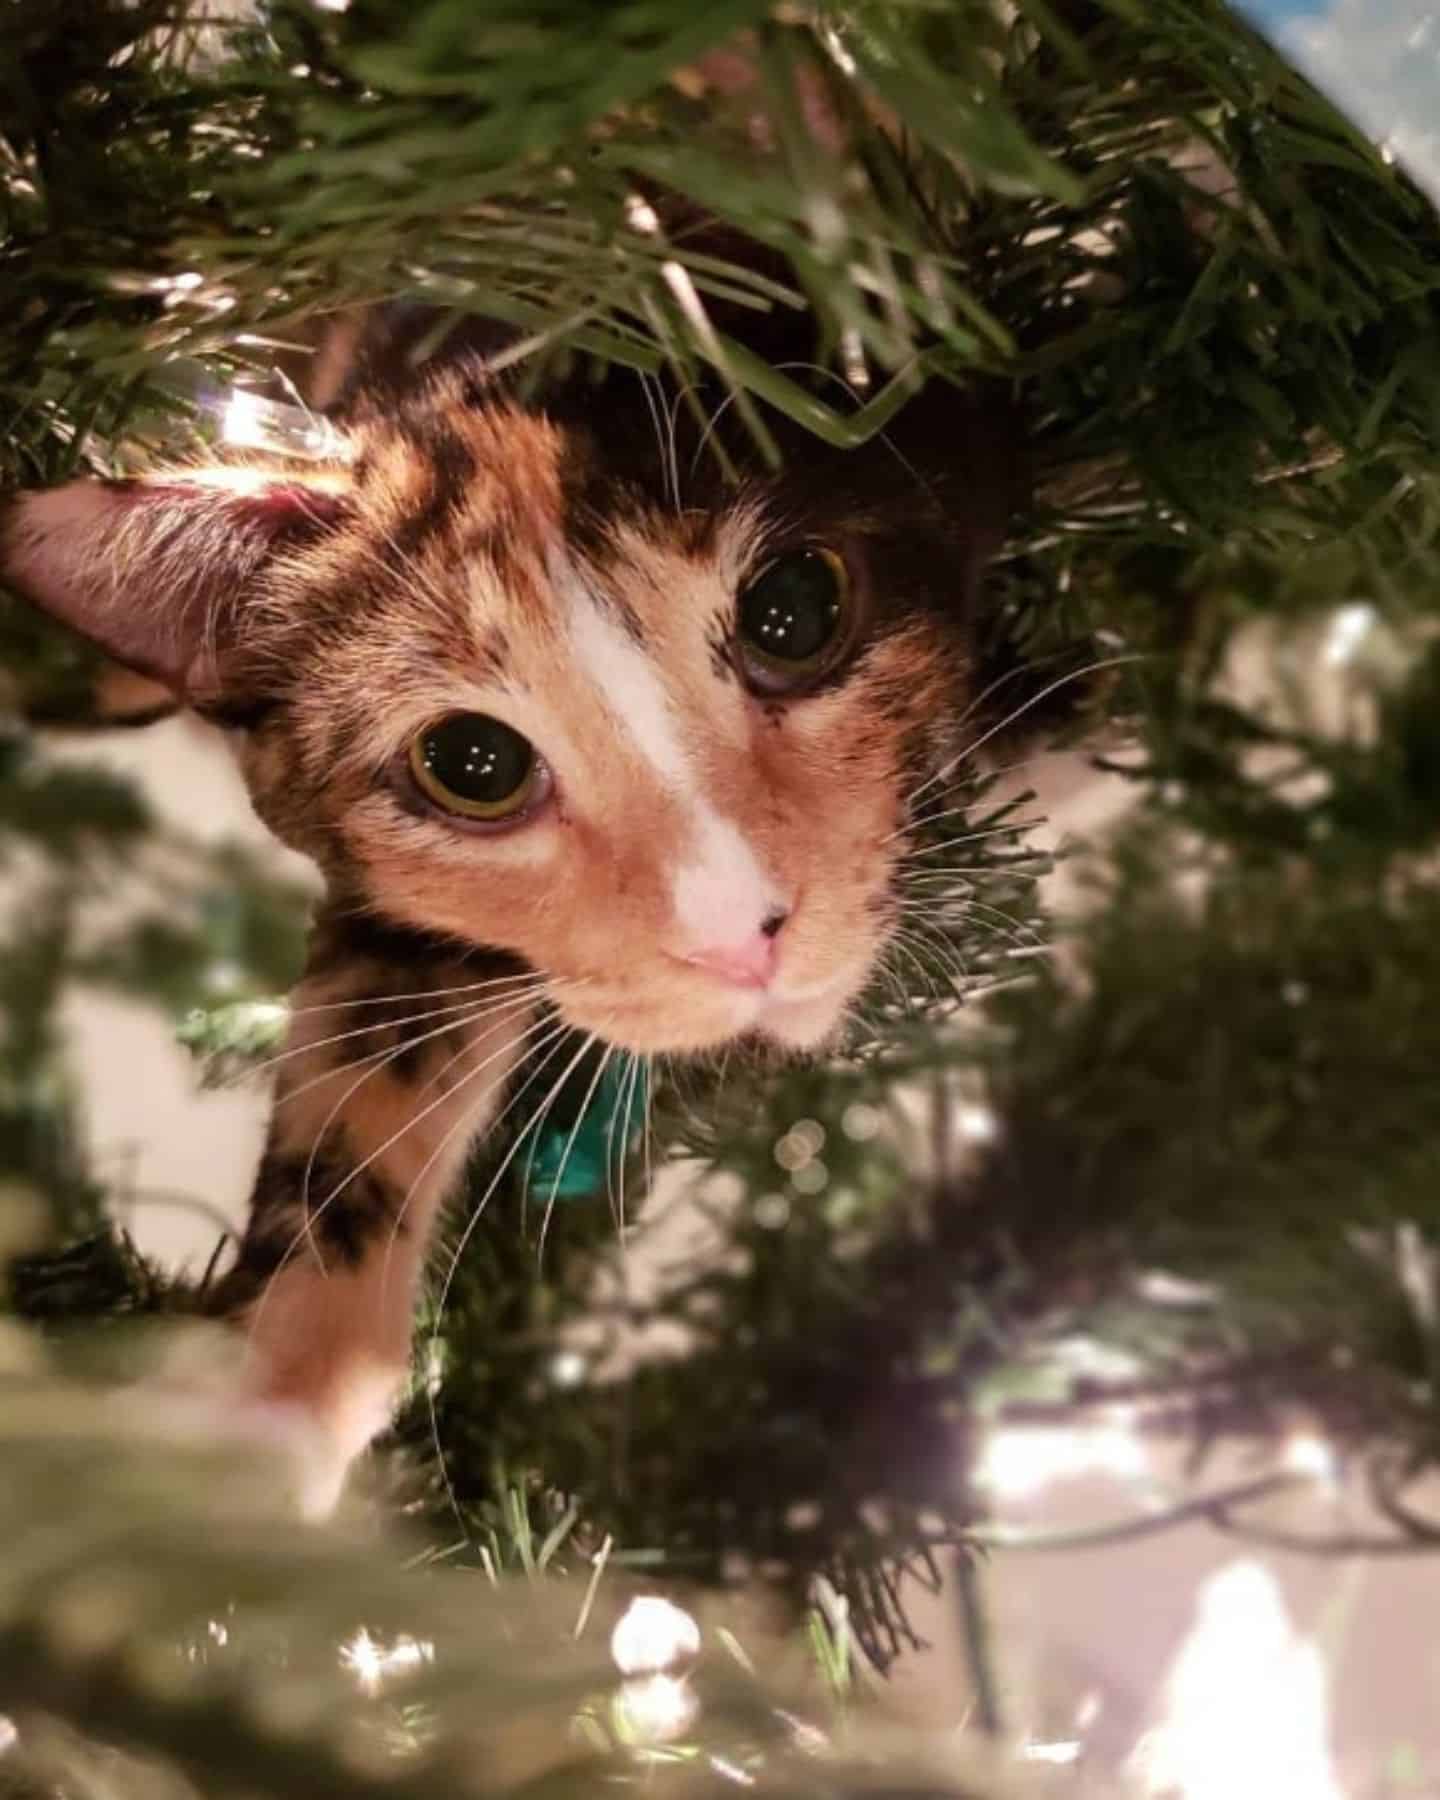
(206, 1396)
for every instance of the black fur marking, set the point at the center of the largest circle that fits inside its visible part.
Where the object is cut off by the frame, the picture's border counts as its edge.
(238, 714)
(452, 463)
(285, 1222)
(722, 656)
(321, 1200)
(493, 654)
(628, 618)
(407, 1029)
(405, 948)
(591, 498)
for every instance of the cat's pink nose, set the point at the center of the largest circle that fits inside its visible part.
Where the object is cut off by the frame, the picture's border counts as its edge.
(747, 962)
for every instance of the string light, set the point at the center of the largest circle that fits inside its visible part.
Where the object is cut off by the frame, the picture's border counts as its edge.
(641, 216)
(1246, 1716)
(250, 422)
(370, 1661)
(860, 1122)
(1349, 625)
(1307, 1454)
(653, 1636)
(568, 1368)
(1060, 1753)
(977, 1124)
(656, 1708)
(1018, 1460)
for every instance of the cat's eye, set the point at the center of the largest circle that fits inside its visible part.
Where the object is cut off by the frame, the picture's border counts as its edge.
(477, 768)
(795, 620)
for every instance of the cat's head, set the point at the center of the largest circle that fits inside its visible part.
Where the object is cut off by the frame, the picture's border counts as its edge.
(536, 679)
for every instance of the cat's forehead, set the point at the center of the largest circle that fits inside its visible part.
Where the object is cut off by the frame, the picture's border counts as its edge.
(496, 563)
(514, 527)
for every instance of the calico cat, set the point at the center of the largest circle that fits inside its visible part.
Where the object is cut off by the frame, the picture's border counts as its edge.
(591, 738)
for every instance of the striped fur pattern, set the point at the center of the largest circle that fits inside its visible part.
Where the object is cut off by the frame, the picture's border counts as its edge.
(570, 568)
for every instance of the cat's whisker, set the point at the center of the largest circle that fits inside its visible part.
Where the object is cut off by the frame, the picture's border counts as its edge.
(616, 1133)
(647, 1141)
(539, 984)
(395, 1137)
(669, 462)
(990, 688)
(915, 851)
(407, 1044)
(902, 940)
(639, 1070)
(309, 1218)
(550, 1031)
(922, 925)
(464, 987)
(929, 911)
(1021, 869)
(948, 767)
(951, 812)
(595, 1081)
(387, 1054)
(936, 942)
(478, 1209)
(552, 1041)
(462, 1020)
(617, 1144)
(1021, 929)
(892, 981)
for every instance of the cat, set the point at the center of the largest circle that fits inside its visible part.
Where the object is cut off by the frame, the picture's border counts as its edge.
(592, 737)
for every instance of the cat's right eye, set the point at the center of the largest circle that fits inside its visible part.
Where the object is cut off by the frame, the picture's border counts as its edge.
(477, 768)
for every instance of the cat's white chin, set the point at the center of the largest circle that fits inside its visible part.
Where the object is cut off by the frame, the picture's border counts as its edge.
(804, 1021)
(801, 1018)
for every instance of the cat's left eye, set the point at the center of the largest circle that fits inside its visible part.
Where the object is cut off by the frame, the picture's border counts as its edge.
(477, 768)
(795, 621)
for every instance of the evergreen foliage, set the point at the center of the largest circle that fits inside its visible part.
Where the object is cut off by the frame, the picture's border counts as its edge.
(1216, 304)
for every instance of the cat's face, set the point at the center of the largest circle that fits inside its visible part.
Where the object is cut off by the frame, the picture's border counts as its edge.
(660, 754)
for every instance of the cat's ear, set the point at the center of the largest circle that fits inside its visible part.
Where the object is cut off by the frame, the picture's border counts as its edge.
(157, 571)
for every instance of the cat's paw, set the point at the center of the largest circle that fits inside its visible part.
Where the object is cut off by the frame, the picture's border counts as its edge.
(315, 1463)
(208, 1394)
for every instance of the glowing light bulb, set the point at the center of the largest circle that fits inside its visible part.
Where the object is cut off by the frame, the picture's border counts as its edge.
(652, 1636)
(640, 215)
(1307, 1454)
(240, 423)
(370, 1661)
(1063, 1751)
(1348, 626)
(657, 1708)
(251, 422)
(1246, 1713)
(1019, 1460)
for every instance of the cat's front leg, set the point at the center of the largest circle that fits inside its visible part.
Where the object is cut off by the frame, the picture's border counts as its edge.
(397, 1056)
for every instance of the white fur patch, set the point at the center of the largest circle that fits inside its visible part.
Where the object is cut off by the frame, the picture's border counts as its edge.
(721, 894)
(632, 691)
